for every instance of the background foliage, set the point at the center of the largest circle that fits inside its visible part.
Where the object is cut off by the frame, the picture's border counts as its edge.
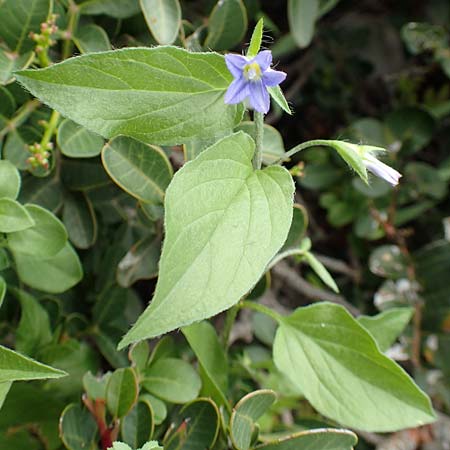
(81, 229)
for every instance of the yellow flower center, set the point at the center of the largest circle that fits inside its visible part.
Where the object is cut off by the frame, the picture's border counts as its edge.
(252, 72)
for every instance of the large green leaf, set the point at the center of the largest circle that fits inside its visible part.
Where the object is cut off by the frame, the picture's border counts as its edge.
(140, 169)
(227, 25)
(337, 365)
(15, 367)
(224, 222)
(163, 17)
(302, 15)
(54, 274)
(46, 238)
(323, 439)
(162, 95)
(18, 18)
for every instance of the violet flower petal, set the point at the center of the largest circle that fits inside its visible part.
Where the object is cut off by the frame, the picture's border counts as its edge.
(235, 64)
(264, 59)
(259, 97)
(237, 91)
(382, 170)
(273, 77)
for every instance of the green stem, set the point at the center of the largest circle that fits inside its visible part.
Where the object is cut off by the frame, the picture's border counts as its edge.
(228, 325)
(73, 22)
(22, 115)
(302, 146)
(260, 308)
(50, 129)
(259, 136)
(44, 60)
(286, 254)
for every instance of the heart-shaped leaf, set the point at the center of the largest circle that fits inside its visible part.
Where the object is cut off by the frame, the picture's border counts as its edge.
(337, 365)
(224, 222)
(161, 95)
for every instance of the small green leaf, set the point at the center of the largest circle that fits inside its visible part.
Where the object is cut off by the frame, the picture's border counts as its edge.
(321, 271)
(140, 169)
(121, 392)
(11, 62)
(152, 445)
(197, 426)
(138, 355)
(118, 9)
(138, 425)
(173, 380)
(246, 412)
(302, 15)
(46, 238)
(277, 94)
(337, 365)
(80, 220)
(76, 141)
(387, 326)
(3, 288)
(158, 406)
(9, 180)
(45, 192)
(203, 339)
(298, 227)
(91, 38)
(323, 439)
(227, 25)
(255, 41)
(140, 262)
(163, 18)
(13, 216)
(55, 274)
(18, 18)
(216, 249)
(34, 330)
(143, 93)
(95, 387)
(16, 367)
(77, 428)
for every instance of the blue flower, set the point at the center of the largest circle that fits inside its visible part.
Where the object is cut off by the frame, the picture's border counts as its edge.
(252, 77)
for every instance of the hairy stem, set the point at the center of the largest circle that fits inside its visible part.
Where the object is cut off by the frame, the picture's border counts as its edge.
(22, 115)
(71, 27)
(259, 135)
(302, 146)
(50, 129)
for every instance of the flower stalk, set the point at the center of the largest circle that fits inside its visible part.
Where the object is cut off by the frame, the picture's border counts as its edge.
(259, 136)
